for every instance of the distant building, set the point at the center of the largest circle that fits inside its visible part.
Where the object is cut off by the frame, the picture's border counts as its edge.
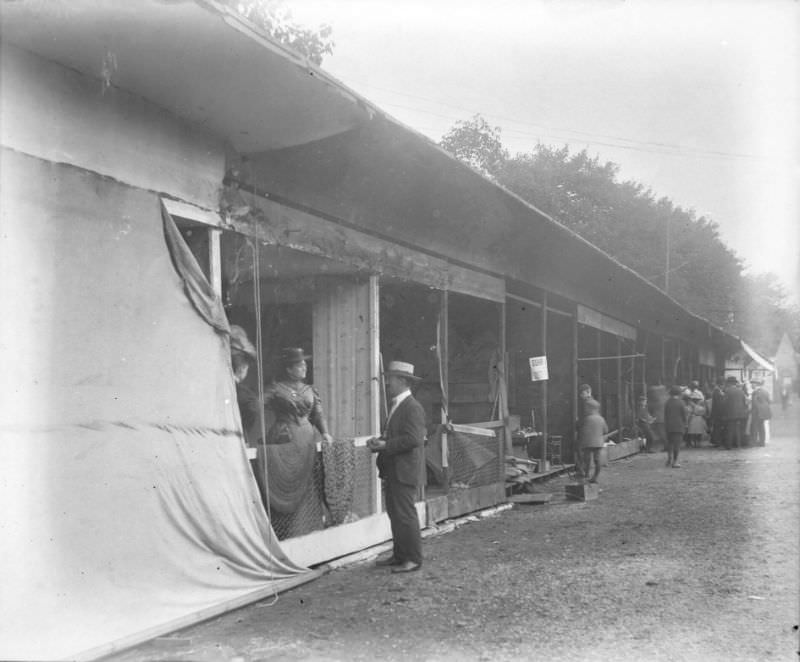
(786, 364)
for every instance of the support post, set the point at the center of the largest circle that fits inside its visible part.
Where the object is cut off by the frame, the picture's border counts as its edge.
(505, 448)
(444, 333)
(544, 383)
(574, 445)
(599, 337)
(620, 388)
(375, 388)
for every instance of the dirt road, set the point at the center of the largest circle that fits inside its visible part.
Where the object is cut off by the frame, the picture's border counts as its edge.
(696, 563)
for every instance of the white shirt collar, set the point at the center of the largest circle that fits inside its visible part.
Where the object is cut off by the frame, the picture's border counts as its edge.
(396, 400)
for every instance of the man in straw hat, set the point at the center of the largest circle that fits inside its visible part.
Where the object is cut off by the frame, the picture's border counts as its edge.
(399, 450)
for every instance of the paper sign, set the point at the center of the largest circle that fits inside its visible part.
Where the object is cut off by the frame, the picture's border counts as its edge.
(538, 368)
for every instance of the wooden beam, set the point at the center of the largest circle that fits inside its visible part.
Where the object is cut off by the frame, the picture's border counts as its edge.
(612, 356)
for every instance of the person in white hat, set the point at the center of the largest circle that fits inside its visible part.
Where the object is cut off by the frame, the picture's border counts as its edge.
(761, 412)
(400, 450)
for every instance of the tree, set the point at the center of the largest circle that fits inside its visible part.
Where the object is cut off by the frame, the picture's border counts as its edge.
(663, 242)
(477, 144)
(763, 313)
(275, 19)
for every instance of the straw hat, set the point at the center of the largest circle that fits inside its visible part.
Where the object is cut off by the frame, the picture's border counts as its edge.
(401, 369)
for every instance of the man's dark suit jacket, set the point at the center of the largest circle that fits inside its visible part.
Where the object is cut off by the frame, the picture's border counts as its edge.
(405, 437)
(735, 403)
(675, 416)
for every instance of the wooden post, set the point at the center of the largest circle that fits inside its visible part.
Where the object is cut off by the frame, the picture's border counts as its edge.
(504, 448)
(444, 332)
(575, 384)
(620, 388)
(544, 383)
(375, 389)
(644, 365)
(599, 337)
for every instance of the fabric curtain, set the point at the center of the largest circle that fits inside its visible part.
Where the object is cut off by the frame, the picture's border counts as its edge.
(195, 284)
(128, 499)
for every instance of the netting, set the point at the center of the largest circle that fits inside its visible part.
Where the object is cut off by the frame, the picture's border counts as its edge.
(473, 458)
(338, 490)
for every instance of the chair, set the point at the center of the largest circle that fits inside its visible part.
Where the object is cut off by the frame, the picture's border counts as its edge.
(554, 449)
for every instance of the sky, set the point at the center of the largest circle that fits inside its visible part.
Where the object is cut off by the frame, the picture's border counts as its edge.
(699, 100)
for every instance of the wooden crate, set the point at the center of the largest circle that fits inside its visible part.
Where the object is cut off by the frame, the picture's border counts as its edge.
(582, 491)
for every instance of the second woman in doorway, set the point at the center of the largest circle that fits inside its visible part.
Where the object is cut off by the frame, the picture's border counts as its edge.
(294, 485)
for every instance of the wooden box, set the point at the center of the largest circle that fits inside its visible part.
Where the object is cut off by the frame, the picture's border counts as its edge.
(582, 491)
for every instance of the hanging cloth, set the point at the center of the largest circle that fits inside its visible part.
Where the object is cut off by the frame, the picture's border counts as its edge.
(195, 284)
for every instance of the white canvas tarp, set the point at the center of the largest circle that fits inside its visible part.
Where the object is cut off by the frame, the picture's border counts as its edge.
(127, 500)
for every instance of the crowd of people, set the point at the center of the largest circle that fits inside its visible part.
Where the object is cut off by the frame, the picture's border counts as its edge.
(729, 415)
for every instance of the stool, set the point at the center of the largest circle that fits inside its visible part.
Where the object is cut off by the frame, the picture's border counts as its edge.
(554, 449)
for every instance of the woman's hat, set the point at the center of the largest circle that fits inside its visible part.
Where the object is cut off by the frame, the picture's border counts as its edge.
(401, 369)
(240, 342)
(291, 355)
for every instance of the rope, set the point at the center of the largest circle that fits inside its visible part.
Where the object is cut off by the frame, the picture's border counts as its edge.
(260, 375)
(384, 398)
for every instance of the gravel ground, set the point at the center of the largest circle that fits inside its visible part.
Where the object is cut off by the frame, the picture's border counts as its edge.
(696, 563)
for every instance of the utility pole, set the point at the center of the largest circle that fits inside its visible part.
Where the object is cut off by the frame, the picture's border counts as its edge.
(666, 265)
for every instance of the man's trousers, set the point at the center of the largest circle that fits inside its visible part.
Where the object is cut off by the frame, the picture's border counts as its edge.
(406, 536)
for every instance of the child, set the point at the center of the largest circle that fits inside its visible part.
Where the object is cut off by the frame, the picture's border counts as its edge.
(644, 419)
(592, 437)
(675, 421)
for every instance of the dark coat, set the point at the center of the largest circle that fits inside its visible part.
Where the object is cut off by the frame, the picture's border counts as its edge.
(405, 438)
(761, 401)
(735, 403)
(718, 404)
(676, 416)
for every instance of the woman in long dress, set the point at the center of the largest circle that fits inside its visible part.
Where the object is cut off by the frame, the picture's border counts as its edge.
(697, 419)
(294, 477)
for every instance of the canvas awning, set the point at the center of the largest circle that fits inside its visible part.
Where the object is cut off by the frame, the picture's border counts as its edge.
(753, 354)
(200, 61)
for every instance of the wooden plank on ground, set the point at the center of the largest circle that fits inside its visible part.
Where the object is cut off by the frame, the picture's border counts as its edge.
(543, 497)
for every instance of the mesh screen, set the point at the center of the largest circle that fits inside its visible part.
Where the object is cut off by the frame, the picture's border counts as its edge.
(339, 490)
(474, 459)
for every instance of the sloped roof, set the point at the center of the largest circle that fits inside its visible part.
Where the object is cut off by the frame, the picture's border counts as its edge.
(316, 143)
(199, 60)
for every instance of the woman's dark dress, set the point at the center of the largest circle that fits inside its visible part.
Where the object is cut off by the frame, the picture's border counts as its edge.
(294, 496)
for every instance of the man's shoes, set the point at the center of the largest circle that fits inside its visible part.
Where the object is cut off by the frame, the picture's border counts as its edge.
(407, 566)
(675, 465)
(389, 560)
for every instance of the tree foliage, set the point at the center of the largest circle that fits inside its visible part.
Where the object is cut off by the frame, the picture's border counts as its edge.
(477, 144)
(666, 244)
(276, 20)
